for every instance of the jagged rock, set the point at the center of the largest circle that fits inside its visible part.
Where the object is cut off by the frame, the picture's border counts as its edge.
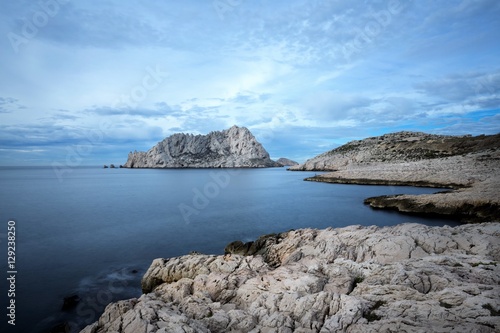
(70, 302)
(112, 166)
(61, 328)
(105, 166)
(467, 164)
(286, 162)
(235, 147)
(408, 277)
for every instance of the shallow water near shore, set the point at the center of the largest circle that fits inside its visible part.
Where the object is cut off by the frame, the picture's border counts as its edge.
(93, 232)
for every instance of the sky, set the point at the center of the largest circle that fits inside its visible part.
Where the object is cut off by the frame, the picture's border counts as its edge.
(86, 82)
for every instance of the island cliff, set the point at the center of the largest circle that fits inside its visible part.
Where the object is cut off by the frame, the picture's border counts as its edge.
(286, 162)
(235, 147)
(468, 165)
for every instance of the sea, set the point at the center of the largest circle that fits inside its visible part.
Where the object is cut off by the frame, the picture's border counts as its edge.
(89, 234)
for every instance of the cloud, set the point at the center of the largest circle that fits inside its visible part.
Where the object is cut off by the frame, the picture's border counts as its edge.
(474, 123)
(9, 104)
(331, 105)
(109, 24)
(28, 151)
(462, 93)
(162, 111)
(463, 86)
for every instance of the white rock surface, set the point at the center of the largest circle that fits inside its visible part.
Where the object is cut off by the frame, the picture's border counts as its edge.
(232, 148)
(286, 162)
(407, 278)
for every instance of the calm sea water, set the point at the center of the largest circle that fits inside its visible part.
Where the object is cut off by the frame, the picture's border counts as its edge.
(93, 232)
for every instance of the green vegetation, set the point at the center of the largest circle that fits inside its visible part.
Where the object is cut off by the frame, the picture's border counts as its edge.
(370, 315)
(357, 281)
(343, 149)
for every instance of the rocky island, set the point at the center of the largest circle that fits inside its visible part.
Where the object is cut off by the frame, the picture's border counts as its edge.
(286, 162)
(235, 147)
(469, 166)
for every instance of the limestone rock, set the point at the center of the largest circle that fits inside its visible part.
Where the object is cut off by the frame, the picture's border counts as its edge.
(235, 147)
(408, 277)
(467, 164)
(286, 162)
(397, 148)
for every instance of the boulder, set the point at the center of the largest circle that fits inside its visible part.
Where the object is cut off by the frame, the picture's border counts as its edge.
(70, 302)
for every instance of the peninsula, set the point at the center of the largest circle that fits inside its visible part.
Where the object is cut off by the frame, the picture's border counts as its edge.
(468, 166)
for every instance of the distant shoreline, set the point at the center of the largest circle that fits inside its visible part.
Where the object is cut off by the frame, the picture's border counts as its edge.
(467, 166)
(469, 200)
(383, 182)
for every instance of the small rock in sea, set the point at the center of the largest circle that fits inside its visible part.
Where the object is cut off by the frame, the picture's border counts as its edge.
(70, 302)
(105, 166)
(61, 328)
(112, 166)
(121, 166)
(135, 271)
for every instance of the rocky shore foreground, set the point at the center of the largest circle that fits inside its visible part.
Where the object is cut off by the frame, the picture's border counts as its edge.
(406, 278)
(468, 165)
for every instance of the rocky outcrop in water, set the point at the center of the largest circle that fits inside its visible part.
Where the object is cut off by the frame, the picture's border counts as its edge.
(235, 147)
(469, 165)
(286, 162)
(407, 278)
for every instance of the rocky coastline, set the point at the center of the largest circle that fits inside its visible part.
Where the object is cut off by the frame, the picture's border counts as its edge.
(467, 165)
(403, 278)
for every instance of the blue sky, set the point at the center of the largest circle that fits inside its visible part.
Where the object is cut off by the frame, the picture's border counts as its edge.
(85, 82)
